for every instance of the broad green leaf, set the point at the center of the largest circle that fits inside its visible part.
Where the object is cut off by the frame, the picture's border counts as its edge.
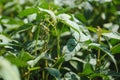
(70, 49)
(78, 31)
(81, 17)
(15, 60)
(65, 18)
(88, 69)
(98, 46)
(71, 44)
(28, 11)
(25, 56)
(114, 41)
(54, 72)
(115, 49)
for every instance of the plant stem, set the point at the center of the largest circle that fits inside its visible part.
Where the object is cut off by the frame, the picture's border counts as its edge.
(37, 36)
(99, 41)
(58, 41)
(43, 75)
(58, 37)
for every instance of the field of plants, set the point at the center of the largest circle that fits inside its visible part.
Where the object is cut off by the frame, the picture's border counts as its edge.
(59, 40)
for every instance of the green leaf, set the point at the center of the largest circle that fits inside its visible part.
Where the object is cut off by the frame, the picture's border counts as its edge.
(79, 32)
(78, 59)
(88, 69)
(54, 72)
(96, 76)
(117, 2)
(113, 73)
(114, 35)
(70, 49)
(23, 28)
(51, 13)
(27, 12)
(8, 71)
(59, 61)
(32, 63)
(33, 46)
(98, 46)
(92, 29)
(34, 68)
(114, 41)
(71, 44)
(71, 76)
(4, 39)
(81, 17)
(95, 30)
(65, 18)
(74, 64)
(15, 60)
(25, 56)
(115, 49)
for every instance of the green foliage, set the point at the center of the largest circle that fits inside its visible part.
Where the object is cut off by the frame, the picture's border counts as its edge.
(61, 39)
(54, 72)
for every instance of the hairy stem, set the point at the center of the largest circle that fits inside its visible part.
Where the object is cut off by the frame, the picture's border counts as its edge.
(99, 41)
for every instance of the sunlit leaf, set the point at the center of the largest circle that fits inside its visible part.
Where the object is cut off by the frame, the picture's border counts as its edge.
(95, 30)
(32, 63)
(28, 11)
(65, 2)
(79, 60)
(8, 71)
(71, 76)
(70, 49)
(112, 35)
(77, 30)
(15, 60)
(25, 56)
(51, 13)
(4, 39)
(88, 69)
(81, 17)
(115, 49)
(98, 46)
